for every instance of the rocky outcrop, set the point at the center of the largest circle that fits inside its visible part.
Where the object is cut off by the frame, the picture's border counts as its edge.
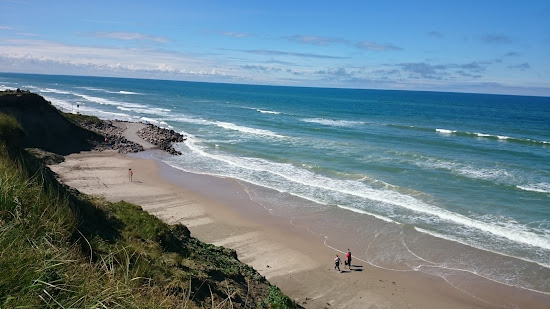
(45, 127)
(47, 158)
(163, 138)
(112, 134)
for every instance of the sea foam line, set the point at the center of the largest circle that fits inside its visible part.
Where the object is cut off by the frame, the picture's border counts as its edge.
(108, 91)
(104, 101)
(232, 126)
(52, 90)
(492, 136)
(542, 187)
(385, 196)
(153, 111)
(453, 239)
(228, 126)
(127, 92)
(334, 123)
(267, 112)
(445, 131)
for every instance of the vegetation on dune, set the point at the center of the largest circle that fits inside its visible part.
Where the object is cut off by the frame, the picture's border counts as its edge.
(10, 130)
(80, 118)
(63, 249)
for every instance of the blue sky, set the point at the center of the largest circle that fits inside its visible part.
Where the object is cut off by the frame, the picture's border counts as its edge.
(464, 46)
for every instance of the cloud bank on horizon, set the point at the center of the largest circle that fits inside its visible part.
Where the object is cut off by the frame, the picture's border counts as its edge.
(467, 46)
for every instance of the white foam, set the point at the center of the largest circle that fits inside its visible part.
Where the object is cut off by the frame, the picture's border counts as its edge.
(181, 118)
(334, 123)
(268, 112)
(492, 136)
(105, 114)
(108, 91)
(483, 173)
(298, 178)
(61, 104)
(120, 92)
(104, 101)
(91, 88)
(445, 131)
(52, 90)
(247, 130)
(542, 187)
(128, 92)
(157, 122)
(385, 219)
(469, 171)
(152, 111)
(483, 135)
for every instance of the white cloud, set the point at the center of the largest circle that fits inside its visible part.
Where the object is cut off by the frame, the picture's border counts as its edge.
(93, 58)
(368, 45)
(47, 57)
(129, 36)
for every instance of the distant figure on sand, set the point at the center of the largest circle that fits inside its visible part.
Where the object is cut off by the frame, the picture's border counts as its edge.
(348, 259)
(130, 174)
(337, 263)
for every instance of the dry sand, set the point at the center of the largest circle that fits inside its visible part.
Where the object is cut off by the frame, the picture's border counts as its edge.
(219, 211)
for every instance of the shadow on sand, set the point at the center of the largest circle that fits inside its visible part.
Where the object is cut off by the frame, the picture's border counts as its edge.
(355, 268)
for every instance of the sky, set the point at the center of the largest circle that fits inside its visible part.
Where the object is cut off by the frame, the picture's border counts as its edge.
(479, 46)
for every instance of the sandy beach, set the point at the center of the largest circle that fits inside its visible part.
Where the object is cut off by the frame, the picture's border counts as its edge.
(219, 211)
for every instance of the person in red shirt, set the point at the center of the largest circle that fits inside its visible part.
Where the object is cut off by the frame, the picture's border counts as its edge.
(348, 259)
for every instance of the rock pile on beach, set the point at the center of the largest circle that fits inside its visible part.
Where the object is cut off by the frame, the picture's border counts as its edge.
(161, 137)
(113, 137)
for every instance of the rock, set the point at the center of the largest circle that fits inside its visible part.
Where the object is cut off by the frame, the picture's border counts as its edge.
(113, 139)
(48, 158)
(161, 137)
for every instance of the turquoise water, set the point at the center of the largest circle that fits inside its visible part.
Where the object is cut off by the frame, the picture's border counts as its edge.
(426, 181)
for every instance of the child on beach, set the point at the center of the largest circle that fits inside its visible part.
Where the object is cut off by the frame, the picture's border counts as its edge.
(337, 263)
(130, 174)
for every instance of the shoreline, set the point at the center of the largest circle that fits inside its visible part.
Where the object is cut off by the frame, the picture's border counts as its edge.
(220, 211)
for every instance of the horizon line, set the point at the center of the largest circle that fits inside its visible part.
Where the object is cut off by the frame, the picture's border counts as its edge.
(289, 86)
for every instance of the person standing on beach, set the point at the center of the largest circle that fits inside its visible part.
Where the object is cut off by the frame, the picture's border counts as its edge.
(337, 263)
(130, 174)
(348, 259)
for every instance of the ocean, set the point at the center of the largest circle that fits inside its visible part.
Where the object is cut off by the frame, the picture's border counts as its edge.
(454, 185)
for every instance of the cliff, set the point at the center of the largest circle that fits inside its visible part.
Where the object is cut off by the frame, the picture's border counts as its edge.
(44, 126)
(61, 248)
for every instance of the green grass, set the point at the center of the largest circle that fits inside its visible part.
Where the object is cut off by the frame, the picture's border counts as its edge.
(63, 249)
(9, 128)
(80, 118)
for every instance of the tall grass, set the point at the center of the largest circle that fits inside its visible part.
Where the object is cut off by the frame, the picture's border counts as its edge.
(62, 249)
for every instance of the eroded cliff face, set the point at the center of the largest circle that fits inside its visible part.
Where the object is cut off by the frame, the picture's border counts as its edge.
(44, 126)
